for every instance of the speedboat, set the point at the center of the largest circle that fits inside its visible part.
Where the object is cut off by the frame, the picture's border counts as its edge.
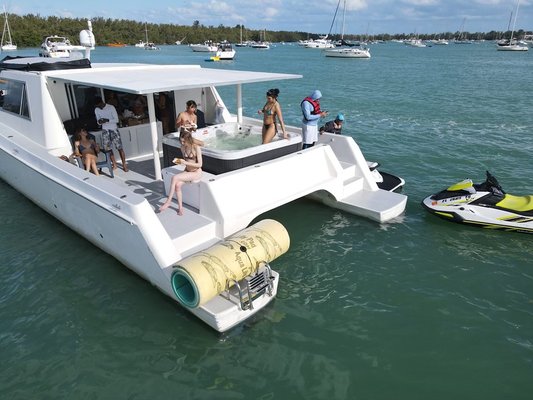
(485, 205)
(225, 51)
(58, 47)
(214, 260)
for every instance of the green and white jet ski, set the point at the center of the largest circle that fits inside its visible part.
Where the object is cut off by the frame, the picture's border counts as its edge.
(485, 205)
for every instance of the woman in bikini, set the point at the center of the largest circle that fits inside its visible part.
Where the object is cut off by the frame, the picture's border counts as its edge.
(270, 111)
(87, 149)
(192, 160)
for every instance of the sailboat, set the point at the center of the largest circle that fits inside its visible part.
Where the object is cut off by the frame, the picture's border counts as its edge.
(346, 52)
(462, 36)
(149, 45)
(241, 43)
(7, 41)
(513, 46)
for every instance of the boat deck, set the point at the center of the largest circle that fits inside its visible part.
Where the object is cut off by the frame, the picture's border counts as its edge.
(188, 231)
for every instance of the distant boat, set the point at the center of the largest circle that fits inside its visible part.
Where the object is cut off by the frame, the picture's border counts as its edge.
(225, 51)
(461, 39)
(7, 41)
(178, 42)
(346, 52)
(116, 45)
(207, 47)
(58, 47)
(145, 44)
(262, 44)
(513, 45)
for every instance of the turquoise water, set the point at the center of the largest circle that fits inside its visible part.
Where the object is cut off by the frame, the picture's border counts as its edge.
(416, 309)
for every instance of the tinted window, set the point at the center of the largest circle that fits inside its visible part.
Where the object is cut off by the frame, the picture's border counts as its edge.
(13, 98)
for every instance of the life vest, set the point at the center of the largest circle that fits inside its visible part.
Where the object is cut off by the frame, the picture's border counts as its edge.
(314, 103)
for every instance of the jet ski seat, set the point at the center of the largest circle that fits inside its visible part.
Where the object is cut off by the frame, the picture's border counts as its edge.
(520, 204)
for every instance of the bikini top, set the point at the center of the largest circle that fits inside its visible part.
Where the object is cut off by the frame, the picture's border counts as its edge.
(268, 111)
(82, 147)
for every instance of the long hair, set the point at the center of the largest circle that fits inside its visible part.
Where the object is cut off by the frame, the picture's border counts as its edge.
(77, 134)
(188, 143)
(273, 93)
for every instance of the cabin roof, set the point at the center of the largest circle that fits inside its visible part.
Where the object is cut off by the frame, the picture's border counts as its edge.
(147, 78)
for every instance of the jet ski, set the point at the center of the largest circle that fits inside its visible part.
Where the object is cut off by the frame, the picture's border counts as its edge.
(385, 180)
(485, 205)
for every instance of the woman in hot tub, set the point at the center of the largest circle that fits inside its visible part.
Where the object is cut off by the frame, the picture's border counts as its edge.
(270, 111)
(192, 160)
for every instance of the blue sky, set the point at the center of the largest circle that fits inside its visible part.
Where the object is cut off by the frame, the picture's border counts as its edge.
(362, 16)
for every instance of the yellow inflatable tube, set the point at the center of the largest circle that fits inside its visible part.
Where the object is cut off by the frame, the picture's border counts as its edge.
(202, 276)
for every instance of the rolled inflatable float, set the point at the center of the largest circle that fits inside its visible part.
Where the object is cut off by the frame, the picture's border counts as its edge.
(202, 276)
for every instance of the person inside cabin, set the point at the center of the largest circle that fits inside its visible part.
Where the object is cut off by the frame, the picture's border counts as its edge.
(107, 117)
(86, 148)
(192, 160)
(188, 119)
(164, 111)
(111, 98)
(311, 115)
(271, 112)
(334, 126)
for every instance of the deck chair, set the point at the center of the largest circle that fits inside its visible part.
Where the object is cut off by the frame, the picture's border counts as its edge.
(99, 164)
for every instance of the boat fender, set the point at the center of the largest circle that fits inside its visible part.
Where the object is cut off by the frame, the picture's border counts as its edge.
(204, 275)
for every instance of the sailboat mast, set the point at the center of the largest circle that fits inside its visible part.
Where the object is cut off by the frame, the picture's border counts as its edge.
(343, 19)
(514, 22)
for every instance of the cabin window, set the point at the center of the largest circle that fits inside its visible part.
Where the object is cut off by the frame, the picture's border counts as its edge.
(14, 98)
(84, 97)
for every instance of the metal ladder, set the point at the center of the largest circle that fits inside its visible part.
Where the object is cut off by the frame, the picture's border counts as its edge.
(251, 287)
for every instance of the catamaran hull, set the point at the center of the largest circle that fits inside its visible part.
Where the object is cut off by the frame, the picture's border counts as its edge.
(47, 182)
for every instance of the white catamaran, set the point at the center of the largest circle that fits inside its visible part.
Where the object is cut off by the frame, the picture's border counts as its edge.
(215, 260)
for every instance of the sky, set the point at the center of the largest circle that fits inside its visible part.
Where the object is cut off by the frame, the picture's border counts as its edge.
(314, 16)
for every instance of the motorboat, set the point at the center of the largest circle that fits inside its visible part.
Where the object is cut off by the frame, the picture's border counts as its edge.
(225, 51)
(347, 52)
(58, 47)
(207, 47)
(485, 205)
(321, 43)
(217, 260)
(140, 43)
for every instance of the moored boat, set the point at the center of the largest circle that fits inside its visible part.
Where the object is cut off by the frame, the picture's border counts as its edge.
(207, 47)
(118, 214)
(55, 46)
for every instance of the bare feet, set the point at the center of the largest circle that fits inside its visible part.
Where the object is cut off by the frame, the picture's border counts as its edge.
(180, 211)
(125, 168)
(164, 207)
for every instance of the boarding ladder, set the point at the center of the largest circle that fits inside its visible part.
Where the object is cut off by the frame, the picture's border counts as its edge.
(251, 287)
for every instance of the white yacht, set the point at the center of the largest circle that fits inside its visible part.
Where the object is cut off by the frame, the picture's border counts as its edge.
(207, 47)
(58, 47)
(225, 51)
(348, 52)
(218, 259)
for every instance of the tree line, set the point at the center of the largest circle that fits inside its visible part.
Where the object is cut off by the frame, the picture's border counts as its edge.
(29, 31)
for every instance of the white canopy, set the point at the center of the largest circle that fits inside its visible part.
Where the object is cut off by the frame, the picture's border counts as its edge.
(144, 79)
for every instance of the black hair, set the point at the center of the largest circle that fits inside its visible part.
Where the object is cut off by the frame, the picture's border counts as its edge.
(273, 93)
(191, 103)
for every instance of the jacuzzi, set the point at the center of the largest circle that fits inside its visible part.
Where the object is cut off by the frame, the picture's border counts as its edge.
(230, 146)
